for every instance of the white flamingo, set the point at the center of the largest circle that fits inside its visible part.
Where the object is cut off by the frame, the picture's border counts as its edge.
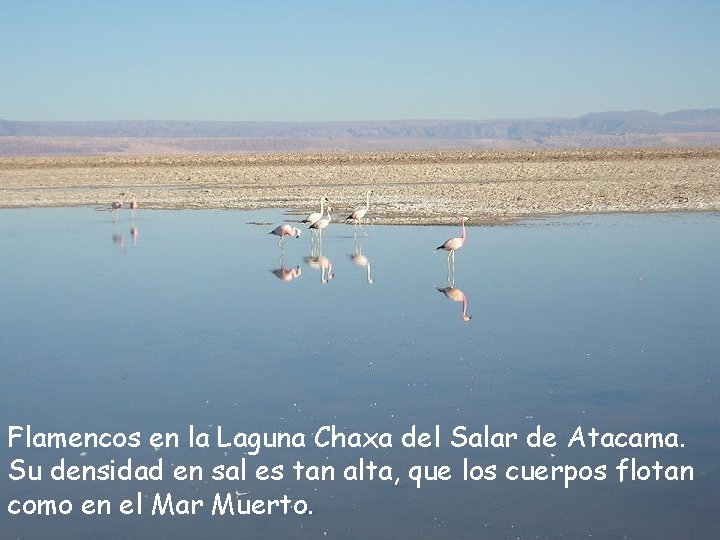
(321, 223)
(312, 218)
(359, 214)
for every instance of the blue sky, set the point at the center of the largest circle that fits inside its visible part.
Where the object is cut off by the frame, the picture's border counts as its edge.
(359, 60)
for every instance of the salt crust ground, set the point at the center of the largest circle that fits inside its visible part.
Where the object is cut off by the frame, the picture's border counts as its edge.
(408, 187)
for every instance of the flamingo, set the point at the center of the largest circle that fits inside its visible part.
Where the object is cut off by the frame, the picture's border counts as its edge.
(312, 218)
(285, 230)
(453, 244)
(358, 214)
(321, 223)
(133, 203)
(117, 205)
(456, 295)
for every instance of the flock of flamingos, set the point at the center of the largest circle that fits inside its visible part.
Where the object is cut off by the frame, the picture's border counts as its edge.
(318, 221)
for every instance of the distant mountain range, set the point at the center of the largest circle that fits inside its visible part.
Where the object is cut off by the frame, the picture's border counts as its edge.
(614, 128)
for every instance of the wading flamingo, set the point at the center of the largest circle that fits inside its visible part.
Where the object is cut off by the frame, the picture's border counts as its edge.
(133, 202)
(321, 223)
(453, 244)
(359, 214)
(117, 205)
(312, 218)
(285, 230)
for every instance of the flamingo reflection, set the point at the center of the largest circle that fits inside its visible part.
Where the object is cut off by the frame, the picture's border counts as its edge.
(286, 274)
(318, 261)
(134, 232)
(119, 239)
(456, 295)
(361, 260)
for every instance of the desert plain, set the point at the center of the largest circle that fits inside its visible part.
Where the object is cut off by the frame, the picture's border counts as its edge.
(424, 187)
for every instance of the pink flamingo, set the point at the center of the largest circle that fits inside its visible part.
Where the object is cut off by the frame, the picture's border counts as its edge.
(456, 295)
(453, 244)
(133, 203)
(359, 214)
(117, 205)
(285, 230)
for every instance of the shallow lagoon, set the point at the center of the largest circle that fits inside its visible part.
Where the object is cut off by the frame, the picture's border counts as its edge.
(603, 321)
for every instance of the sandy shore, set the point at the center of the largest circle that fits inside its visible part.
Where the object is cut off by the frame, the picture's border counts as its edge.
(409, 187)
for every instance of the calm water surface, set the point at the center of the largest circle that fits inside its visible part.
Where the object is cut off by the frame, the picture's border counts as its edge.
(198, 317)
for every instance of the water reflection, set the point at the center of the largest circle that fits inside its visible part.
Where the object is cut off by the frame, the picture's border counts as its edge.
(360, 259)
(134, 232)
(457, 295)
(286, 274)
(318, 261)
(119, 239)
(378, 367)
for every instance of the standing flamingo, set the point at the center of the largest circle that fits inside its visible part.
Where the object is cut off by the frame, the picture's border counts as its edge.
(285, 230)
(321, 223)
(312, 218)
(133, 203)
(359, 214)
(453, 244)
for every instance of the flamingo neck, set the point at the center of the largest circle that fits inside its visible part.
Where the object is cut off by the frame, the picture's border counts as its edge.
(367, 201)
(322, 206)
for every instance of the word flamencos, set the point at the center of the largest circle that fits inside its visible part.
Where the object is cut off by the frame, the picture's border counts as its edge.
(330, 436)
